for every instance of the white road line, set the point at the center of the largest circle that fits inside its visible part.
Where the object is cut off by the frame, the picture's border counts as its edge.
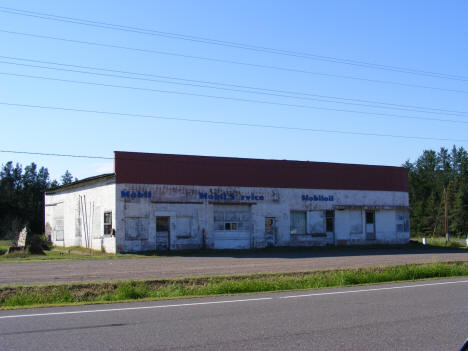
(132, 308)
(229, 301)
(374, 289)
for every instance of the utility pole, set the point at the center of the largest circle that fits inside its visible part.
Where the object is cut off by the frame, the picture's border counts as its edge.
(445, 217)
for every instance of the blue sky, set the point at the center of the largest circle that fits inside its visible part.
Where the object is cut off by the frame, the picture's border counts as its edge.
(423, 35)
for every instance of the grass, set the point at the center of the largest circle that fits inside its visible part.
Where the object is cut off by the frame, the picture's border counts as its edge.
(102, 292)
(80, 253)
(455, 242)
(4, 245)
(60, 253)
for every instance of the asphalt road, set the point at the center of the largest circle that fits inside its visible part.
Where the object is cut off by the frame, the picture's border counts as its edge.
(425, 315)
(177, 266)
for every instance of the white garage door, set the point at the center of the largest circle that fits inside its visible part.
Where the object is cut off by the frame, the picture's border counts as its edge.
(232, 226)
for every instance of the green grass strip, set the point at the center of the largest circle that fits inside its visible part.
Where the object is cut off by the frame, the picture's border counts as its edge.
(101, 292)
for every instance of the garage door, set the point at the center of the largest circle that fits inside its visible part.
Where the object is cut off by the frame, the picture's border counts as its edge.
(232, 226)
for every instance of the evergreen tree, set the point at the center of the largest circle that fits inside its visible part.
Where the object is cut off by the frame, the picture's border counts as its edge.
(22, 200)
(67, 178)
(428, 176)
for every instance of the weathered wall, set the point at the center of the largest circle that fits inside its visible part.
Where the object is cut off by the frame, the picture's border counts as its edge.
(81, 213)
(192, 213)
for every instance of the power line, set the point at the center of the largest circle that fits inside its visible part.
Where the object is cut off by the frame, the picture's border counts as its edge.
(246, 64)
(206, 121)
(256, 48)
(237, 88)
(372, 114)
(52, 154)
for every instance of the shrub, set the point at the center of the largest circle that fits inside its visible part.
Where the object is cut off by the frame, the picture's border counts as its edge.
(36, 245)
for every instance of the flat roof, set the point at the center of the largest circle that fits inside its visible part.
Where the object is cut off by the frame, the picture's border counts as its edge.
(169, 169)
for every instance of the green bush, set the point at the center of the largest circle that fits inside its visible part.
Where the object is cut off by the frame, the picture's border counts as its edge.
(35, 245)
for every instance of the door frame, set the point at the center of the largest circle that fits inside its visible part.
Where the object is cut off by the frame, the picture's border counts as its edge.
(374, 234)
(172, 228)
(274, 229)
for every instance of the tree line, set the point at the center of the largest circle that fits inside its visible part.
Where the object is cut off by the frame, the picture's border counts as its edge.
(22, 197)
(22, 194)
(429, 175)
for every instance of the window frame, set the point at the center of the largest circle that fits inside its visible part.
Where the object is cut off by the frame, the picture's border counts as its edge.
(329, 219)
(232, 221)
(168, 226)
(302, 212)
(270, 227)
(373, 217)
(107, 225)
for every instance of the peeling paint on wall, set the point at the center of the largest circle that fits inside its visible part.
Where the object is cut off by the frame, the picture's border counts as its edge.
(193, 216)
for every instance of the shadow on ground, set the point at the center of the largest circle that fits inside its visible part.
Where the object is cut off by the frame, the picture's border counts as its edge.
(310, 252)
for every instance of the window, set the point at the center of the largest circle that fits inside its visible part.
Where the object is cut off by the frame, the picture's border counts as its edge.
(58, 229)
(232, 219)
(107, 223)
(370, 217)
(402, 219)
(298, 222)
(269, 224)
(329, 221)
(162, 224)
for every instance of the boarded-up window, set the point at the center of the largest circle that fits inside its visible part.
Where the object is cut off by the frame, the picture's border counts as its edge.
(136, 228)
(183, 226)
(355, 221)
(58, 229)
(298, 222)
(317, 223)
(59, 222)
(402, 219)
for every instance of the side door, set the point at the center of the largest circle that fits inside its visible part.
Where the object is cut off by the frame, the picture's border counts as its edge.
(370, 225)
(163, 233)
(270, 231)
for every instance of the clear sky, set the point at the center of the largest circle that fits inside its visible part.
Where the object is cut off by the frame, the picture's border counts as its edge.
(419, 35)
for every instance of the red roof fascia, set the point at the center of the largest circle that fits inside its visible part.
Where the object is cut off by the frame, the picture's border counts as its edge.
(147, 168)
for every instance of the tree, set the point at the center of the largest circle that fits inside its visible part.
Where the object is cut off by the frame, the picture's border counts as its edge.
(67, 178)
(22, 200)
(428, 176)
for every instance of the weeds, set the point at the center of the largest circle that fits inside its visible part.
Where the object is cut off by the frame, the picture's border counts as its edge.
(18, 296)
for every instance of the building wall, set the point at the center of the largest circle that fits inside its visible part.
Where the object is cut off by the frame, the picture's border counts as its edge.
(75, 216)
(151, 217)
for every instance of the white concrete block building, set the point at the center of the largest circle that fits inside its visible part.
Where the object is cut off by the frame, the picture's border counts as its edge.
(177, 202)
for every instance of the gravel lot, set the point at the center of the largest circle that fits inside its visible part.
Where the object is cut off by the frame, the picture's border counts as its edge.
(177, 266)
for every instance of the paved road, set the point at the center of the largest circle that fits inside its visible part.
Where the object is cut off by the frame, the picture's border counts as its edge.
(426, 315)
(176, 266)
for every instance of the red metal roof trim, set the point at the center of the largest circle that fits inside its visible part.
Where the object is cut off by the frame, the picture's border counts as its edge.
(146, 168)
